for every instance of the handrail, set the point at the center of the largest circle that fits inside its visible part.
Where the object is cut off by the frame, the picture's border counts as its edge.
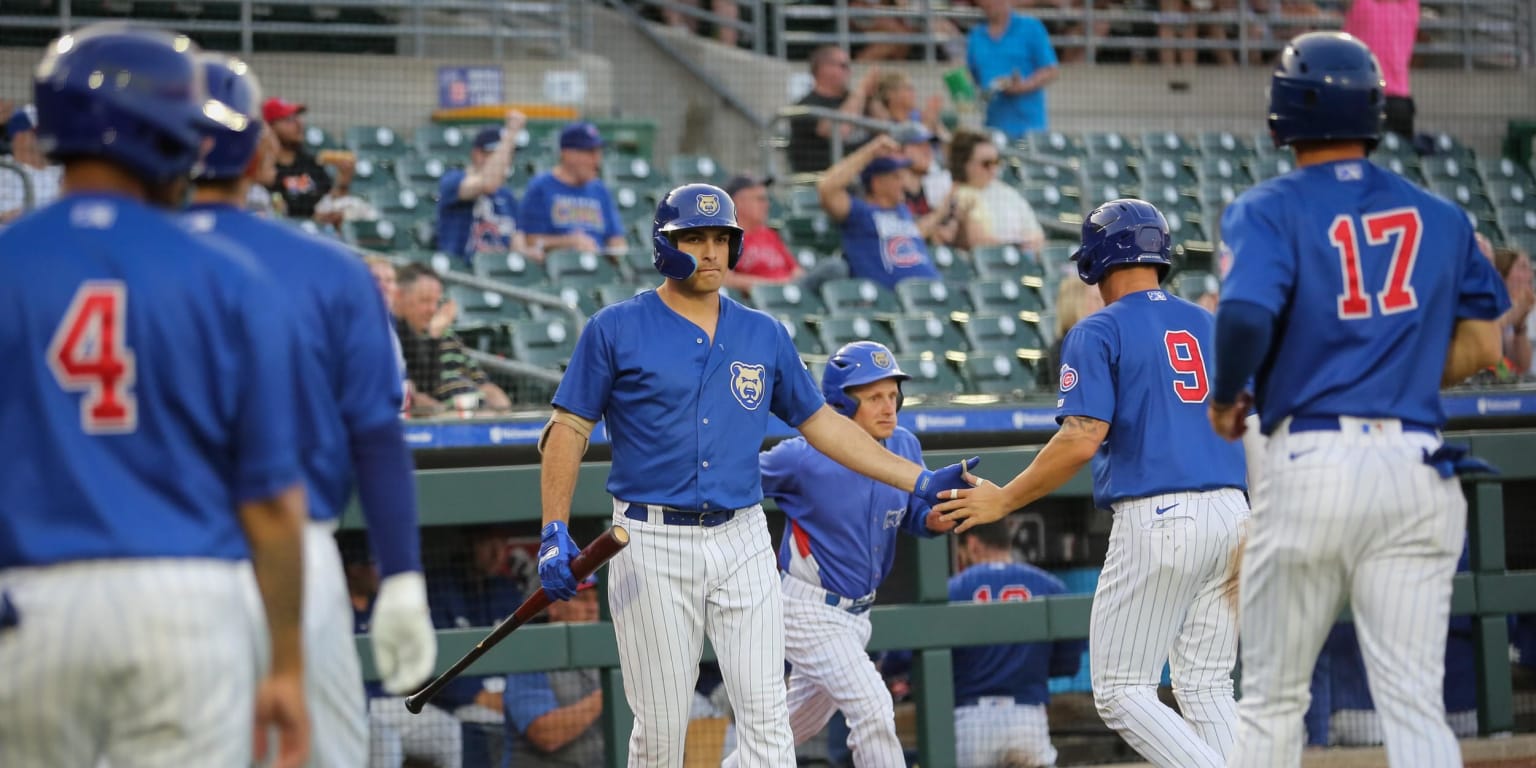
(28, 196)
(512, 367)
(793, 111)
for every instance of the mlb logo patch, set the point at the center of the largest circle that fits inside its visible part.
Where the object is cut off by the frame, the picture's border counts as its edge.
(1068, 378)
(708, 205)
(1349, 171)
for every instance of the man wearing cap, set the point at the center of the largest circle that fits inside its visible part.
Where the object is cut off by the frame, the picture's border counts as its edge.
(927, 186)
(302, 181)
(764, 257)
(476, 211)
(42, 177)
(881, 240)
(553, 718)
(569, 207)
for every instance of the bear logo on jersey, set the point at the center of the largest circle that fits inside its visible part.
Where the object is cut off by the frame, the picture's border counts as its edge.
(708, 205)
(880, 359)
(747, 384)
(1068, 378)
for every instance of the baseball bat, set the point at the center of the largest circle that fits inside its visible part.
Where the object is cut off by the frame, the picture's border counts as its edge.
(599, 551)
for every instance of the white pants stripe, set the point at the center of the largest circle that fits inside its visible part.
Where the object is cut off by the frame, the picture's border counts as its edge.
(1355, 515)
(1003, 733)
(672, 586)
(1164, 595)
(134, 662)
(333, 678)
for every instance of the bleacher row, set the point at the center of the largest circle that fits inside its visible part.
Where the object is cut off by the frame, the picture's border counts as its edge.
(979, 333)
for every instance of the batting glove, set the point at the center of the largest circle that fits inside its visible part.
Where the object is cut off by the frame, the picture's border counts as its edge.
(555, 552)
(931, 484)
(404, 644)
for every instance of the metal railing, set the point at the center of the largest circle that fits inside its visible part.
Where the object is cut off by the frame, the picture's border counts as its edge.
(28, 195)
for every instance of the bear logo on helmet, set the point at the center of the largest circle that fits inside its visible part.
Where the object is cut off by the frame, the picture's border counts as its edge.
(708, 205)
(880, 359)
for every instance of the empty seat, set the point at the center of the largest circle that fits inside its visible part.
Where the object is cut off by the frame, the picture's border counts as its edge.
(1222, 168)
(919, 297)
(1167, 170)
(1227, 143)
(1004, 262)
(1271, 166)
(1110, 144)
(614, 293)
(445, 140)
(835, 331)
(477, 307)
(857, 295)
(689, 169)
(952, 264)
(806, 342)
(789, 299)
(380, 235)
(1005, 333)
(583, 270)
(933, 378)
(1000, 375)
(1166, 144)
(1000, 297)
(376, 141)
(513, 268)
(546, 341)
(1056, 144)
(927, 333)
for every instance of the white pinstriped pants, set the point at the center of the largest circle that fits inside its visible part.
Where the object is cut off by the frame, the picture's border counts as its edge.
(333, 677)
(672, 586)
(1350, 515)
(1164, 596)
(1001, 731)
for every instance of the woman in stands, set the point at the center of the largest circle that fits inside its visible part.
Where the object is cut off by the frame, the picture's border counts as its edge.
(991, 212)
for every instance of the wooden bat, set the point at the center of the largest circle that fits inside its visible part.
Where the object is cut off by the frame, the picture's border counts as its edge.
(601, 550)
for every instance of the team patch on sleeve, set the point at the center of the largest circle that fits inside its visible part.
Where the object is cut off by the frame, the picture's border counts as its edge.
(1068, 378)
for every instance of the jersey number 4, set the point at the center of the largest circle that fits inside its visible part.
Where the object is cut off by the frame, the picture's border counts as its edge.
(1399, 226)
(89, 354)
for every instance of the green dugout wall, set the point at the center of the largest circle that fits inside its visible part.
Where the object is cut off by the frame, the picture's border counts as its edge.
(931, 626)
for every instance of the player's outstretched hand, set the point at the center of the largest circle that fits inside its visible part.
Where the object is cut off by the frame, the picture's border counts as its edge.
(404, 643)
(965, 508)
(280, 708)
(1230, 421)
(555, 552)
(931, 484)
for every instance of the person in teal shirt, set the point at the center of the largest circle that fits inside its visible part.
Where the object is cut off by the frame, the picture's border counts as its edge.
(1011, 59)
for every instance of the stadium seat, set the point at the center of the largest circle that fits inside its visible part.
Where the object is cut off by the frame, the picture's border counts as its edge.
(927, 333)
(1448, 168)
(690, 169)
(1191, 284)
(424, 234)
(1005, 333)
(451, 141)
(1219, 194)
(634, 205)
(952, 264)
(812, 230)
(1035, 172)
(1111, 145)
(395, 201)
(1051, 204)
(379, 235)
(583, 270)
(787, 300)
(1506, 169)
(371, 173)
(853, 295)
(802, 198)
(1056, 144)
(1271, 166)
(1511, 191)
(546, 341)
(1108, 170)
(806, 342)
(580, 297)
(1166, 144)
(477, 307)
(630, 170)
(999, 375)
(1167, 170)
(421, 171)
(1446, 145)
(1224, 169)
(1006, 297)
(376, 141)
(513, 268)
(317, 138)
(1002, 262)
(933, 378)
(1224, 144)
(614, 293)
(1182, 227)
(919, 297)
(1470, 198)
(837, 330)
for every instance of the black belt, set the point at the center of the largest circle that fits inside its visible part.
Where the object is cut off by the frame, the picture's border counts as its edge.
(1331, 424)
(674, 516)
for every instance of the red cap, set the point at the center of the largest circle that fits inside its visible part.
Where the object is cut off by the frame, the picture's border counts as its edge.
(276, 109)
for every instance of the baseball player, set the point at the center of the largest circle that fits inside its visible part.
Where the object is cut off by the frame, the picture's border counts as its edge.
(1134, 382)
(152, 459)
(350, 406)
(839, 546)
(1350, 335)
(1001, 691)
(686, 381)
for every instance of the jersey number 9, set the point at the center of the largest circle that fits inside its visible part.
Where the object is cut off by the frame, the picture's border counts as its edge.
(1191, 383)
(89, 354)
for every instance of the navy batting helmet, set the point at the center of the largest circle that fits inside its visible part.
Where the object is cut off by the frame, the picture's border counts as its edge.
(1326, 86)
(232, 85)
(1120, 233)
(858, 362)
(691, 206)
(133, 95)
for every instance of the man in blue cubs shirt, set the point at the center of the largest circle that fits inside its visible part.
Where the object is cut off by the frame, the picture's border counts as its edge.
(686, 382)
(1134, 382)
(838, 548)
(151, 441)
(1001, 691)
(349, 403)
(476, 212)
(1352, 298)
(569, 207)
(881, 240)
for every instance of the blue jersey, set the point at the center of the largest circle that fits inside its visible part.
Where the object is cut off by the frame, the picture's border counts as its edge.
(885, 245)
(1024, 49)
(686, 417)
(349, 381)
(1333, 251)
(1141, 364)
(844, 520)
(148, 390)
(1022, 670)
(484, 224)
(552, 207)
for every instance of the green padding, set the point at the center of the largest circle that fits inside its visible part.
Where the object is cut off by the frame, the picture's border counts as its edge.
(1507, 592)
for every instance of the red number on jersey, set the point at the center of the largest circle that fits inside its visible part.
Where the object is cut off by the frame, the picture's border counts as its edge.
(1397, 295)
(1185, 358)
(89, 354)
(1012, 593)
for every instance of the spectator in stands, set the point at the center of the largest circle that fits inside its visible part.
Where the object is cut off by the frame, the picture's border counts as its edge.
(727, 10)
(810, 144)
(569, 207)
(433, 737)
(1101, 25)
(991, 212)
(1001, 691)
(881, 240)
(895, 99)
(764, 257)
(441, 373)
(1075, 300)
(1011, 59)
(42, 176)
(1177, 26)
(476, 211)
(553, 718)
(1388, 28)
(384, 276)
(306, 188)
(877, 19)
(927, 186)
(1515, 267)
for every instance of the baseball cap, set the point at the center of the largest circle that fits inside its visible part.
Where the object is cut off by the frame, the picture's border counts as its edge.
(275, 109)
(488, 139)
(880, 166)
(23, 119)
(746, 181)
(580, 136)
(913, 133)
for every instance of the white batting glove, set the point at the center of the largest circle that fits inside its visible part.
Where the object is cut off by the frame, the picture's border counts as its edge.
(404, 643)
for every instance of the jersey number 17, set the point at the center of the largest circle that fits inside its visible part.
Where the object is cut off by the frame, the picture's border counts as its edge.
(1399, 226)
(89, 354)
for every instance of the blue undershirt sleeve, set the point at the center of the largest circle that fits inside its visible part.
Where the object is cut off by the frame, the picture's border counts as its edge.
(1243, 334)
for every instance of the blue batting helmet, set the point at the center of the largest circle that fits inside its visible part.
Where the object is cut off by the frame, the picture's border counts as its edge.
(133, 95)
(691, 206)
(858, 362)
(1126, 232)
(1327, 86)
(232, 85)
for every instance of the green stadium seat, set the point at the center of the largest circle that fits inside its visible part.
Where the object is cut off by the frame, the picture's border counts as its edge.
(1006, 297)
(1224, 144)
(1005, 333)
(422, 171)
(1447, 145)
(837, 330)
(370, 174)
(634, 204)
(927, 333)
(1392, 144)
(1191, 284)
(514, 268)
(1506, 169)
(806, 342)
(812, 230)
(1110, 145)
(583, 270)
(376, 141)
(1108, 170)
(1057, 144)
(998, 262)
(1167, 170)
(1052, 204)
(853, 295)
(452, 141)
(933, 378)
(788, 300)
(628, 138)
(379, 235)
(802, 199)
(1511, 191)
(1470, 198)
(583, 298)
(1220, 194)
(630, 170)
(1000, 375)
(1272, 166)
(919, 297)
(688, 169)
(1224, 169)
(485, 307)
(1033, 172)
(1447, 168)
(1167, 144)
(547, 341)
(614, 293)
(317, 138)
(397, 201)
(954, 265)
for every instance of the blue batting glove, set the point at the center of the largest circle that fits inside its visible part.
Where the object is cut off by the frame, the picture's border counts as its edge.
(1451, 460)
(555, 552)
(931, 484)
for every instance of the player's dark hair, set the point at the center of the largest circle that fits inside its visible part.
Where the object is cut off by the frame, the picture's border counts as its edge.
(961, 146)
(410, 274)
(996, 535)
